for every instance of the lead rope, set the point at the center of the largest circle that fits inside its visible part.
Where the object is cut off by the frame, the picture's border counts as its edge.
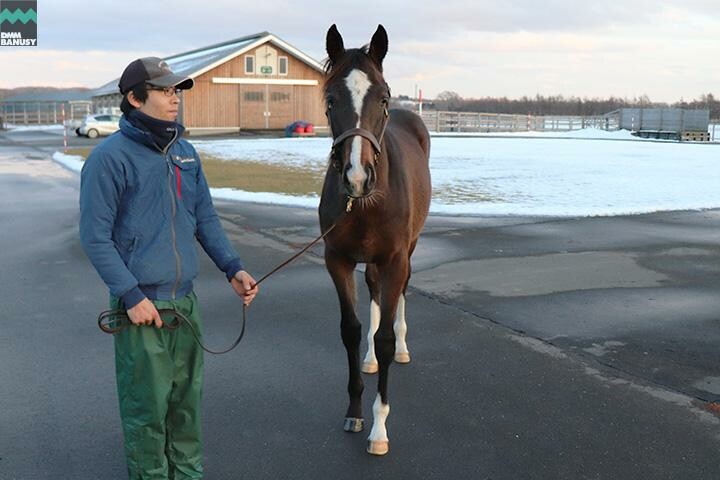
(113, 321)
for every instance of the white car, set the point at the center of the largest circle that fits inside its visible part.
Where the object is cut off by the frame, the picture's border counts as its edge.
(96, 125)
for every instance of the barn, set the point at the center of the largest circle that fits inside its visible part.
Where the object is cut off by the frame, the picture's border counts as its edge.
(255, 82)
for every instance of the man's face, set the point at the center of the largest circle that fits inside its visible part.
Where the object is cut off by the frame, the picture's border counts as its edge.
(159, 105)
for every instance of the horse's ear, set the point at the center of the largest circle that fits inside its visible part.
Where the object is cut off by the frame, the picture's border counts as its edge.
(378, 46)
(334, 44)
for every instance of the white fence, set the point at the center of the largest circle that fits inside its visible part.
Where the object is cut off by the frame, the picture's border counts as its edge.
(43, 113)
(441, 121)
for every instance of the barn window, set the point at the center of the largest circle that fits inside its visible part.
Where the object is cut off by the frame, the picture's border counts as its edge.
(282, 65)
(249, 64)
(280, 97)
(254, 96)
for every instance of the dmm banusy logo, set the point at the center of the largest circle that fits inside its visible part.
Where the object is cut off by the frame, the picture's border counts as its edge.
(18, 23)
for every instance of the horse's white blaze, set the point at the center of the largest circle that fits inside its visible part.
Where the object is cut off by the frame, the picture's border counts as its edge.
(358, 84)
(400, 327)
(380, 414)
(374, 324)
(356, 175)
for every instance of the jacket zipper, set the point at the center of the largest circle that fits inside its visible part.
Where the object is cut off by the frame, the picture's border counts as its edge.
(178, 266)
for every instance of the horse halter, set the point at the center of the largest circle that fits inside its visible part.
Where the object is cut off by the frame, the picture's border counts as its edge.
(362, 132)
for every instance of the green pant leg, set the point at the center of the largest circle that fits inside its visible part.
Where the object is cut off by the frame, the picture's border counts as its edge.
(144, 370)
(184, 441)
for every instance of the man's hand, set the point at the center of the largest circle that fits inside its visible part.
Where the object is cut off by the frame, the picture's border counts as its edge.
(145, 313)
(244, 286)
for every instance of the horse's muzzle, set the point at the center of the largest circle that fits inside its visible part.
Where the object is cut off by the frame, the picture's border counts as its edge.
(360, 189)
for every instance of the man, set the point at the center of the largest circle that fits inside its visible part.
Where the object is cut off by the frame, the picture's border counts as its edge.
(143, 201)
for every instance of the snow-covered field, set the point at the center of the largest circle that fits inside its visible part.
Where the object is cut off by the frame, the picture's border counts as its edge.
(579, 175)
(33, 128)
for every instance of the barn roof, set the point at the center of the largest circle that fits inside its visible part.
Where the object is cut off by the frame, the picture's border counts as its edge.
(48, 94)
(196, 62)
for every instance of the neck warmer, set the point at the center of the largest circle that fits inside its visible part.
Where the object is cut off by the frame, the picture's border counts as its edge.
(162, 131)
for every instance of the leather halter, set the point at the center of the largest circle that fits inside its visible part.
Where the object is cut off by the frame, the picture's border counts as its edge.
(367, 134)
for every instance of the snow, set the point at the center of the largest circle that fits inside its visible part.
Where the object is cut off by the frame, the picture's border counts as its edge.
(33, 128)
(583, 174)
(73, 162)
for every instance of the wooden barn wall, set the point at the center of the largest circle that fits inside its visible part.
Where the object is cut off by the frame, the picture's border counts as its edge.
(210, 105)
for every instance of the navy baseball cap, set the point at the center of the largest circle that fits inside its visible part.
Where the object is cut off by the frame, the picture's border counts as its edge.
(152, 70)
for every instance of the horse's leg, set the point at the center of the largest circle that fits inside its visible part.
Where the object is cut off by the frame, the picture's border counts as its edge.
(393, 276)
(402, 354)
(372, 278)
(342, 272)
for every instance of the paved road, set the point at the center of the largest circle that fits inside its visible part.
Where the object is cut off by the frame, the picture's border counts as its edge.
(542, 348)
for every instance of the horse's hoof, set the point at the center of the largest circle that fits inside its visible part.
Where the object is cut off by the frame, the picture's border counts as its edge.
(369, 368)
(378, 447)
(402, 357)
(353, 425)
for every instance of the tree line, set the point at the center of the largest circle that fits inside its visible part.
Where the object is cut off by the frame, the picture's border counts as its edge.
(561, 105)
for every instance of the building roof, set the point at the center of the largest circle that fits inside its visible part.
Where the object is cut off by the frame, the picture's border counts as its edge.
(48, 94)
(196, 62)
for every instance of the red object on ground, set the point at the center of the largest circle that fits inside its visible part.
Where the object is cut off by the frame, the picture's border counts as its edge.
(299, 129)
(309, 128)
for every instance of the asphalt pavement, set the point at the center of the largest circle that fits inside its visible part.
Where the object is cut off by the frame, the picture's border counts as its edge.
(542, 348)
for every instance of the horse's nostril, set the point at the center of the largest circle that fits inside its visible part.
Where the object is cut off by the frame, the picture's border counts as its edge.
(370, 180)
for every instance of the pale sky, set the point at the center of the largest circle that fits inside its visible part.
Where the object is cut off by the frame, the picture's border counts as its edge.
(667, 50)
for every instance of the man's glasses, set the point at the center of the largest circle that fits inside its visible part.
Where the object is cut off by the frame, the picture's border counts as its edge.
(168, 91)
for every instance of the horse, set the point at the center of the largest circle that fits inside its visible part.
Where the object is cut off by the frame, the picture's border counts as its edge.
(374, 202)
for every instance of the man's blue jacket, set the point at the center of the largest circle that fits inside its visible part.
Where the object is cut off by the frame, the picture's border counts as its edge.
(141, 209)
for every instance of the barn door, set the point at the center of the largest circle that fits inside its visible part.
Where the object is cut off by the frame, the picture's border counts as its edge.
(251, 111)
(280, 101)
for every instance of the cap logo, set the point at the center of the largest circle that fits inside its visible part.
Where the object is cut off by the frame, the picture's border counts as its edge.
(164, 66)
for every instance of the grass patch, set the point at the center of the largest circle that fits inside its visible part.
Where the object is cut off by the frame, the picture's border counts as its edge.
(252, 176)
(83, 152)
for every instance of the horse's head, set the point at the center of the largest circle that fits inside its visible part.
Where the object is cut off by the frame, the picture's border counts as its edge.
(357, 99)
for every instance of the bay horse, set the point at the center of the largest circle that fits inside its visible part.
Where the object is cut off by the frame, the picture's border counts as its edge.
(374, 203)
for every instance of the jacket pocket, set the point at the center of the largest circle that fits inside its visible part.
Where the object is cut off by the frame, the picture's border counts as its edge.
(185, 178)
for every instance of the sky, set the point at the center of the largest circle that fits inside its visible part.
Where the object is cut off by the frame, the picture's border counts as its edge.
(625, 48)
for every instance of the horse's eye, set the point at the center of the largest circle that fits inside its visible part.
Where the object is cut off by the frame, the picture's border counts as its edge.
(329, 102)
(384, 102)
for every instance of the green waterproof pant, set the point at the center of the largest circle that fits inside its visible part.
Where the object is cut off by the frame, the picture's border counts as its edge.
(159, 380)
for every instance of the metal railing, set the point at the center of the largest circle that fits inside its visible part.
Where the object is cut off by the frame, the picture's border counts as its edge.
(43, 113)
(443, 121)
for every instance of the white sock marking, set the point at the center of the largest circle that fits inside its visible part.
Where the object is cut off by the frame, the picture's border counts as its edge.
(380, 414)
(400, 327)
(374, 324)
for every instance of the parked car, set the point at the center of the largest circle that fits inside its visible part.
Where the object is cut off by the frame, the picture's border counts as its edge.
(96, 125)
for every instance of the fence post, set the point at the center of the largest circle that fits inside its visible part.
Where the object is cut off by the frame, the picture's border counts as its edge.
(65, 135)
